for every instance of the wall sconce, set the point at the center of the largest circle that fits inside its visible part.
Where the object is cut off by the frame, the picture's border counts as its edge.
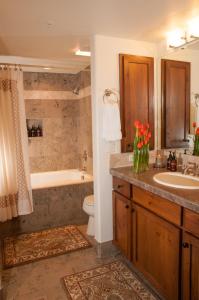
(180, 38)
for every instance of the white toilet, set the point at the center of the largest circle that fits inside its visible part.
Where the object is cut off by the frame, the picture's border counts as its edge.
(88, 207)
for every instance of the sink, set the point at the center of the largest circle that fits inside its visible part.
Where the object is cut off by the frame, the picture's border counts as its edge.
(177, 180)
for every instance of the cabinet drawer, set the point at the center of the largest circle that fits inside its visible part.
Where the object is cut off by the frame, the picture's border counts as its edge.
(162, 207)
(122, 187)
(191, 221)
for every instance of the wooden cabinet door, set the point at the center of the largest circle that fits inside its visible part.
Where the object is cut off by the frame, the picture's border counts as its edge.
(122, 223)
(136, 95)
(190, 267)
(175, 103)
(156, 251)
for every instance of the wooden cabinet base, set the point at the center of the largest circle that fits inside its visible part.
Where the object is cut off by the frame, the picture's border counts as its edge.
(155, 251)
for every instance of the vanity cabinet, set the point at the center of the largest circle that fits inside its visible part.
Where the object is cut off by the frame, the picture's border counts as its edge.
(155, 251)
(122, 223)
(190, 267)
(160, 238)
(122, 216)
(190, 256)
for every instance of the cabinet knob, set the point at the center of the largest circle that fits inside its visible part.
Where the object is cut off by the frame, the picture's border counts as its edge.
(127, 206)
(119, 186)
(185, 245)
(132, 210)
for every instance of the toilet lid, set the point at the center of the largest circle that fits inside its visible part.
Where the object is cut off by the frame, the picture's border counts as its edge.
(89, 200)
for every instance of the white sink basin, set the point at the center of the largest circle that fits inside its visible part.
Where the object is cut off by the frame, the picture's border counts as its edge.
(177, 180)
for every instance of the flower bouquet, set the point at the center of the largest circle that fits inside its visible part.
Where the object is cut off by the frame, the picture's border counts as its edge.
(141, 147)
(196, 140)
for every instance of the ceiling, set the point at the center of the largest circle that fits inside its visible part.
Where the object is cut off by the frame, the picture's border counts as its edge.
(53, 29)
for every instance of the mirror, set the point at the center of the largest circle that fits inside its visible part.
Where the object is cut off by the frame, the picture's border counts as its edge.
(189, 54)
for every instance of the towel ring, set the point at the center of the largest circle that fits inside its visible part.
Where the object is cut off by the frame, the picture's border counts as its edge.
(107, 94)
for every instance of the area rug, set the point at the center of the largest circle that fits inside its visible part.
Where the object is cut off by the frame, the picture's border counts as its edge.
(114, 281)
(25, 248)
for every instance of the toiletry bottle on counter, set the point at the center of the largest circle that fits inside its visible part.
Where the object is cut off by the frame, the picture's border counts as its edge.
(169, 159)
(173, 165)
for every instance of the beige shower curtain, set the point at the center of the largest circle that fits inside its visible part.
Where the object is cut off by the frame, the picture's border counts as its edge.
(15, 188)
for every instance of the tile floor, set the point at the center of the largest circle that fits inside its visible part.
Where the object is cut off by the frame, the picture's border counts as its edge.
(41, 280)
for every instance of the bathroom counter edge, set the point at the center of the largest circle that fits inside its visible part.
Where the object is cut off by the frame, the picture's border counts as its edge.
(185, 198)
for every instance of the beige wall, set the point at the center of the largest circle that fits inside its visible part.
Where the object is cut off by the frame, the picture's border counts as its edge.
(66, 119)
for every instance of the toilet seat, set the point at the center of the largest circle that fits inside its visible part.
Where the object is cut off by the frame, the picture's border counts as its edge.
(89, 200)
(88, 207)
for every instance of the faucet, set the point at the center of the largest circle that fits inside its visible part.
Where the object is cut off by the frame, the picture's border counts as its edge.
(191, 169)
(85, 157)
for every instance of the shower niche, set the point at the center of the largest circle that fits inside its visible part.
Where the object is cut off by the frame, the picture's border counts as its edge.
(34, 128)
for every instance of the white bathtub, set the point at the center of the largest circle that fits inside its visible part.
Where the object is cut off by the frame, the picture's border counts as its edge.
(59, 178)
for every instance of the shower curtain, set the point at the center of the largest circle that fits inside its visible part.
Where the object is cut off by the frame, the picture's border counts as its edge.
(15, 188)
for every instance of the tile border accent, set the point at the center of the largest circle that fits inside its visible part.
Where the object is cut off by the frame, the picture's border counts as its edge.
(56, 95)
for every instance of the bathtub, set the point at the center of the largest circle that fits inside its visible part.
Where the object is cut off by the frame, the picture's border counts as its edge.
(59, 178)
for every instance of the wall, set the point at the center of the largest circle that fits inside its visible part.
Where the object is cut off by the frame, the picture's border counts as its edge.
(105, 74)
(66, 119)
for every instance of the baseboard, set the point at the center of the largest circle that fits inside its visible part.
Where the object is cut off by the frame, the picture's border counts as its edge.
(106, 249)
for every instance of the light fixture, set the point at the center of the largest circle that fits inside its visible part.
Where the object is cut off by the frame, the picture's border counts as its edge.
(193, 28)
(175, 38)
(82, 53)
(179, 38)
(47, 68)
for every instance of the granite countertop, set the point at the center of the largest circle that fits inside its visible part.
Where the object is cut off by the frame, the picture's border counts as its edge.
(184, 197)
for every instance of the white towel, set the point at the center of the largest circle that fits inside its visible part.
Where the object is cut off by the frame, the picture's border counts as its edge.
(111, 127)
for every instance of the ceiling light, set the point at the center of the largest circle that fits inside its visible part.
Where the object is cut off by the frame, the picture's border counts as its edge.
(47, 68)
(176, 38)
(83, 53)
(193, 27)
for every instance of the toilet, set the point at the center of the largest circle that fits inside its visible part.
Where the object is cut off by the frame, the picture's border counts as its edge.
(88, 207)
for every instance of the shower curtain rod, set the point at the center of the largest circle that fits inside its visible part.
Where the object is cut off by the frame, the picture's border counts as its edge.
(35, 66)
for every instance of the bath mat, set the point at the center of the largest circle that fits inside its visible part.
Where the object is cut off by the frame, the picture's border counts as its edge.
(113, 281)
(25, 248)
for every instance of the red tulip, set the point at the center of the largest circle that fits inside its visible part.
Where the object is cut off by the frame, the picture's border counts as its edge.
(194, 124)
(137, 124)
(139, 145)
(197, 131)
(149, 135)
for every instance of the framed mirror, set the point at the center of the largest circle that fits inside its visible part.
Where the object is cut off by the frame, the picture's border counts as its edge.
(180, 96)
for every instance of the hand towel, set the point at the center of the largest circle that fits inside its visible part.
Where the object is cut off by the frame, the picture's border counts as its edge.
(111, 127)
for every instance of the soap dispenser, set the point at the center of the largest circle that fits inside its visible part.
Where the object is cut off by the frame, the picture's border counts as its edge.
(169, 159)
(173, 165)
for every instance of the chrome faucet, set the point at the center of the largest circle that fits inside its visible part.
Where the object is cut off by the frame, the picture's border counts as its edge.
(191, 169)
(84, 162)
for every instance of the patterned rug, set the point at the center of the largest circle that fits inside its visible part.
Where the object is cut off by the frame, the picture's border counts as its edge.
(113, 281)
(25, 248)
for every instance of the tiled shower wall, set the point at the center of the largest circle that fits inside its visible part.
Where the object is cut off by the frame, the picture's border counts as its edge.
(66, 119)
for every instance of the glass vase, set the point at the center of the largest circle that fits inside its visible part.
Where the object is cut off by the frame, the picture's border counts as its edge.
(196, 146)
(141, 159)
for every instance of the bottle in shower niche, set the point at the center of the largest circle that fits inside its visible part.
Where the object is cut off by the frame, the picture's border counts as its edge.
(39, 131)
(28, 131)
(33, 131)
